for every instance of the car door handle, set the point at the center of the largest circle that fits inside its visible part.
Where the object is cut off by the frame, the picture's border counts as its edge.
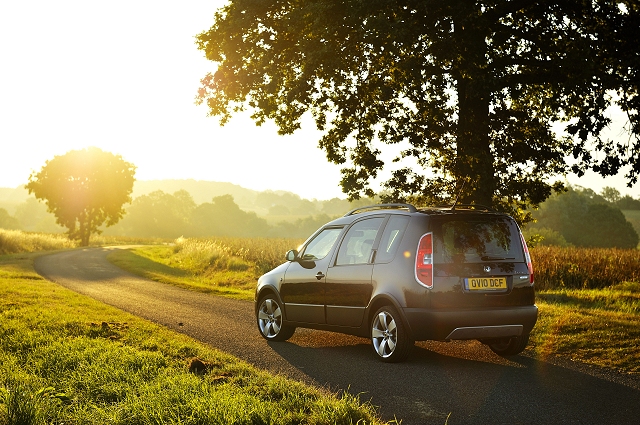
(319, 275)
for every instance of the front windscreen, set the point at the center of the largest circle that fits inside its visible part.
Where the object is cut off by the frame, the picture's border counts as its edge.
(476, 239)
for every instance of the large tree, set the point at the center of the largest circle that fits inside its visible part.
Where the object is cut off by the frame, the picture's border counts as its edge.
(468, 91)
(84, 189)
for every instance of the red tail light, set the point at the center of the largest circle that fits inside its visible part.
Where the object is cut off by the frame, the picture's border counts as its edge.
(527, 257)
(424, 261)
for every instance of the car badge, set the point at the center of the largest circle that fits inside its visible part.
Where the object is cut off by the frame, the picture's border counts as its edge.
(487, 269)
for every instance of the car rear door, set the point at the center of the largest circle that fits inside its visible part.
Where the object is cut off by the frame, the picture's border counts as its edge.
(479, 261)
(348, 285)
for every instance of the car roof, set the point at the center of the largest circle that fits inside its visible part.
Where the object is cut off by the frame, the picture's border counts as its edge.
(399, 208)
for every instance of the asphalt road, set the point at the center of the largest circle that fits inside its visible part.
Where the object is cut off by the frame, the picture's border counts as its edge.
(462, 381)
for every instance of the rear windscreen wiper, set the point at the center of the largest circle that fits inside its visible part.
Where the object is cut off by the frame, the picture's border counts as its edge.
(488, 258)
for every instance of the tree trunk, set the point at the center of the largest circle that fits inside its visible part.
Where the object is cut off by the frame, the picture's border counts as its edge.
(85, 228)
(474, 161)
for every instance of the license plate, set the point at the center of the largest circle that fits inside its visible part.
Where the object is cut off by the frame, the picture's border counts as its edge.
(486, 283)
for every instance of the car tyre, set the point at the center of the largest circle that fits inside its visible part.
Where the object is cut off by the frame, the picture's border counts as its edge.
(389, 336)
(509, 346)
(270, 320)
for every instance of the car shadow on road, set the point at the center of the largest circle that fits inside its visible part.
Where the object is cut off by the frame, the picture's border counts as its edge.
(459, 383)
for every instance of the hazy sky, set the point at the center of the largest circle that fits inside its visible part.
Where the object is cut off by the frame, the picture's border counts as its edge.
(122, 75)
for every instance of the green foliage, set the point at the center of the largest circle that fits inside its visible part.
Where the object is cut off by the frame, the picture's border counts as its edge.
(610, 194)
(157, 214)
(584, 218)
(628, 203)
(163, 215)
(289, 202)
(8, 222)
(34, 217)
(84, 189)
(223, 217)
(462, 92)
(544, 236)
(300, 228)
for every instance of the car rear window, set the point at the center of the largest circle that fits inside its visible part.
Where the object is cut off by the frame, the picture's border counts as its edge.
(477, 239)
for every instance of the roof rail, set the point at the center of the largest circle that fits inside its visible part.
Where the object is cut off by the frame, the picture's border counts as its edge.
(409, 207)
(478, 207)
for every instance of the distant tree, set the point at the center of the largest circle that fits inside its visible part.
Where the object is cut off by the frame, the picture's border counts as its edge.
(585, 220)
(7, 221)
(610, 194)
(469, 91)
(34, 217)
(544, 236)
(292, 202)
(628, 203)
(337, 206)
(84, 189)
(223, 217)
(269, 198)
(158, 215)
(279, 210)
(305, 207)
(301, 228)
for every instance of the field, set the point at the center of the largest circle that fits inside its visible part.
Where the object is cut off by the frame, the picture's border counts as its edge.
(66, 359)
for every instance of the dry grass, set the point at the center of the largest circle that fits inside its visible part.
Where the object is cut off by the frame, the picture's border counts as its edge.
(16, 241)
(584, 268)
(263, 254)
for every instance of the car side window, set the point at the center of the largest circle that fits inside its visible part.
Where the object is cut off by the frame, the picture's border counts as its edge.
(321, 244)
(358, 242)
(391, 238)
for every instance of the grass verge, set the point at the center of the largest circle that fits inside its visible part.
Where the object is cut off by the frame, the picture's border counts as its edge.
(158, 263)
(65, 358)
(598, 326)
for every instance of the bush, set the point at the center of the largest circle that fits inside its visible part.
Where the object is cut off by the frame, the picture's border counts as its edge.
(585, 219)
(544, 237)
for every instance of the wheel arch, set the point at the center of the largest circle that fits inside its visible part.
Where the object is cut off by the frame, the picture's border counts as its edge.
(268, 290)
(379, 302)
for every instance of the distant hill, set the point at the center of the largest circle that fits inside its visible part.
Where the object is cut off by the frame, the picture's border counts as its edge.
(10, 198)
(201, 191)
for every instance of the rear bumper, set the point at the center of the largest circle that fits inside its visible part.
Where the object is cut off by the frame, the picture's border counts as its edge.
(470, 324)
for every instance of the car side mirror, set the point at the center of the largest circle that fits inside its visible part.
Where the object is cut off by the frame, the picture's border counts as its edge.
(292, 255)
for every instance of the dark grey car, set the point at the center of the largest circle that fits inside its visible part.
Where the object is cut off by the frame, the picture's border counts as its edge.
(397, 274)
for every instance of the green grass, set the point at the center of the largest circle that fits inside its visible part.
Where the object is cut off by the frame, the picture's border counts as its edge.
(158, 263)
(598, 326)
(67, 359)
